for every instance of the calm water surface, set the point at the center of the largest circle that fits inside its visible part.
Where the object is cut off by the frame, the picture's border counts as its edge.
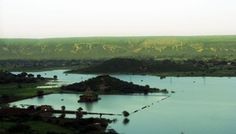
(201, 105)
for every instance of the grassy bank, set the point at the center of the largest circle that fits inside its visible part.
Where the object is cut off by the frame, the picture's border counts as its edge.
(13, 91)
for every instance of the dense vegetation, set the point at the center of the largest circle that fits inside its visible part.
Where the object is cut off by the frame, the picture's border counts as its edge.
(7, 77)
(167, 67)
(29, 121)
(108, 84)
(19, 86)
(200, 47)
(32, 65)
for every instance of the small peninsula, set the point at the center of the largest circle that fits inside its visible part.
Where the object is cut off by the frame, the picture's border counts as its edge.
(22, 85)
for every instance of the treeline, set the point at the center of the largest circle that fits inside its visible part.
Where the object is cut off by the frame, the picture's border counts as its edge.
(43, 64)
(7, 77)
(124, 65)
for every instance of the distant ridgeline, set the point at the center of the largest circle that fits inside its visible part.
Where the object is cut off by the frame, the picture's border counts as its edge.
(161, 67)
(192, 47)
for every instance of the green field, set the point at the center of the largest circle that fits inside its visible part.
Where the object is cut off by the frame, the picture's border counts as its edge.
(25, 90)
(179, 47)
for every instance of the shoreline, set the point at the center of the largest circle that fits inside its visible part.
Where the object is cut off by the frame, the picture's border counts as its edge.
(74, 92)
(165, 74)
(23, 98)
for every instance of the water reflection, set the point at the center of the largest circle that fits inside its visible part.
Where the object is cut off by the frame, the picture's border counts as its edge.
(89, 106)
(114, 120)
(40, 99)
(204, 81)
(126, 121)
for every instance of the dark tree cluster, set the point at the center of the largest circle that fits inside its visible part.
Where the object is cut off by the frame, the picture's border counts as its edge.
(126, 65)
(108, 84)
(7, 77)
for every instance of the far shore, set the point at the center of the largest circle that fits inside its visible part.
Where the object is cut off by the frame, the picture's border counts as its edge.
(165, 74)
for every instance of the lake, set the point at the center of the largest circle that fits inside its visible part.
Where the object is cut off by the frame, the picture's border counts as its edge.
(201, 105)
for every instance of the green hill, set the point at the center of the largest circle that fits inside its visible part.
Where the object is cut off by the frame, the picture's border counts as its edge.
(180, 47)
(121, 65)
(108, 84)
(161, 67)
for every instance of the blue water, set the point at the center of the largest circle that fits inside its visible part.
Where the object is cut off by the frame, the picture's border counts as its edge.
(201, 105)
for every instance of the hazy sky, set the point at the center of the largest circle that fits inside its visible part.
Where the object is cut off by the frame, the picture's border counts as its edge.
(63, 18)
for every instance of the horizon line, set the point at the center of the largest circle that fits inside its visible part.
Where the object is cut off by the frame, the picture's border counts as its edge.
(119, 36)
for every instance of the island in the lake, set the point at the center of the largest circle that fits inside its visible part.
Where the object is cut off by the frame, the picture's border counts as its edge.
(23, 85)
(105, 84)
(89, 96)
